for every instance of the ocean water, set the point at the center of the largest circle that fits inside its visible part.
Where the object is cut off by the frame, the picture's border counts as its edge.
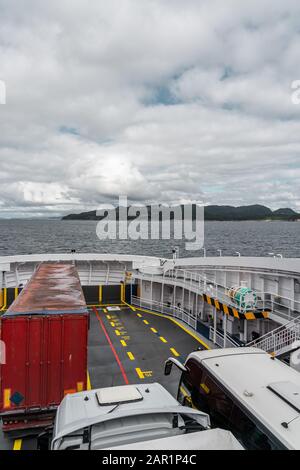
(56, 236)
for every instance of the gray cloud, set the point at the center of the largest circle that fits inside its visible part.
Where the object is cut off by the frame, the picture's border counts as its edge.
(158, 100)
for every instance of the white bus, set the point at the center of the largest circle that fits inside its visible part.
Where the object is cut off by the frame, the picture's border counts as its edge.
(245, 391)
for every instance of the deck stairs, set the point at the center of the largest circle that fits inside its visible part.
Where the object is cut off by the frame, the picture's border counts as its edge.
(280, 340)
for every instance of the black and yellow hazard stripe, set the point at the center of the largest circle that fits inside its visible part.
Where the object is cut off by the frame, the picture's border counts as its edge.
(234, 312)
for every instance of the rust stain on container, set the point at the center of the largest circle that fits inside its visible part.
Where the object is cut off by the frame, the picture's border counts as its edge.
(54, 287)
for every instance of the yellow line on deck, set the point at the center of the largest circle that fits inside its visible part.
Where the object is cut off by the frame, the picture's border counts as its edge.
(117, 333)
(139, 373)
(139, 315)
(129, 306)
(123, 343)
(112, 323)
(154, 330)
(163, 339)
(108, 316)
(17, 444)
(173, 351)
(131, 356)
(176, 323)
(146, 322)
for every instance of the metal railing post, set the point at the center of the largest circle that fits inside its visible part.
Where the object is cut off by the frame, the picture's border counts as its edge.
(215, 326)
(225, 329)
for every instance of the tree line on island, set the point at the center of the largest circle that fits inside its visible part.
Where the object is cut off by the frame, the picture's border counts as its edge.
(213, 213)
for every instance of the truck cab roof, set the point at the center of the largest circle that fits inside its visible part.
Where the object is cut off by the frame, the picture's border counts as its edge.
(123, 415)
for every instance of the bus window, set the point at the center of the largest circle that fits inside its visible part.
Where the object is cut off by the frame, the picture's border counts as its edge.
(185, 390)
(247, 432)
(218, 404)
(188, 383)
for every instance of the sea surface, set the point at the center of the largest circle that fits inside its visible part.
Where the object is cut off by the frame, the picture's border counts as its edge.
(56, 236)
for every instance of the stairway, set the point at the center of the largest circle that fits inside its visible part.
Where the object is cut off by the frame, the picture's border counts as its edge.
(279, 340)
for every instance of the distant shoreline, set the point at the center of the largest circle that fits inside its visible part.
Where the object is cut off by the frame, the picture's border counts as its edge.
(211, 213)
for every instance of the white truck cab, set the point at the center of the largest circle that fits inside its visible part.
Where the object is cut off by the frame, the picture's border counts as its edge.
(132, 417)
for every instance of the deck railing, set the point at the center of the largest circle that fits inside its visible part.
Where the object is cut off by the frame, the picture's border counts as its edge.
(283, 307)
(221, 340)
(166, 309)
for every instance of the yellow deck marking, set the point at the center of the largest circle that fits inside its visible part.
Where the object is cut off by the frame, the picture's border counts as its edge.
(131, 356)
(176, 323)
(173, 351)
(17, 444)
(105, 311)
(147, 373)
(139, 373)
(154, 330)
(123, 343)
(139, 315)
(146, 322)
(108, 316)
(129, 306)
(88, 381)
(112, 323)
(117, 333)
(163, 339)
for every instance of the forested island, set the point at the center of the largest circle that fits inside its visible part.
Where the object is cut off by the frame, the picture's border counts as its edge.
(213, 213)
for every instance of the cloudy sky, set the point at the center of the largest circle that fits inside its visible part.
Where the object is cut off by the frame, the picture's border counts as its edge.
(156, 99)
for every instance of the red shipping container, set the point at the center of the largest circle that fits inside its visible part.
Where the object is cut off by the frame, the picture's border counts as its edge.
(45, 333)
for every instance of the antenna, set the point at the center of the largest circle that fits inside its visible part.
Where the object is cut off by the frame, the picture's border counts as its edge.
(286, 424)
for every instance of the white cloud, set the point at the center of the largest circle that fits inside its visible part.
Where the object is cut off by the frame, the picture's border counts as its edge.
(153, 99)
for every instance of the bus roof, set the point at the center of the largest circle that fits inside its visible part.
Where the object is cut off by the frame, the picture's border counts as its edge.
(268, 388)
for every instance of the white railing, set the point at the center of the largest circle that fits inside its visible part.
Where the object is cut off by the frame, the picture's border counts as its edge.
(166, 309)
(281, 306)
(221, 340)
(279, 339)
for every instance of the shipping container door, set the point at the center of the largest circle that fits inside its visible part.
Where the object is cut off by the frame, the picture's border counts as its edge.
(34, 362)
(53, 344)
(21, 375)
(75, 353)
